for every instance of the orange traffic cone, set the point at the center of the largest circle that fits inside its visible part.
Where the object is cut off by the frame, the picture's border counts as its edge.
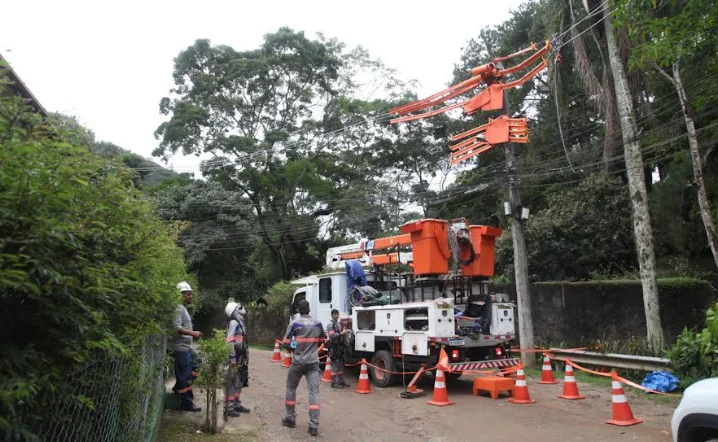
(276, 354)
(441, 396)
(363, 386)
(327, 371)
(287, 362)
(547, 371)
(622, 414)
(570, 388)
(521, 390)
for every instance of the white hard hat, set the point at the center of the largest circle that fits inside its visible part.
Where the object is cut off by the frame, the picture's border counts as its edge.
(184, 287)
(231, 306)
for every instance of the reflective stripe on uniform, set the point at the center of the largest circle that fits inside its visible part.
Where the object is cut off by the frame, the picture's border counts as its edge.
(307, 340)
(290, 403)
(314, 407)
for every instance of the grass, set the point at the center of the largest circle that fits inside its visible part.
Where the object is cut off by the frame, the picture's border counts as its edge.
(173, 431)
(261, 346)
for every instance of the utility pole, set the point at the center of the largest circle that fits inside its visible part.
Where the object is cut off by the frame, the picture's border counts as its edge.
(521, 267)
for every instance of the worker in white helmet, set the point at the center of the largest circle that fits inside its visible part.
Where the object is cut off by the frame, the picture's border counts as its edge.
(181, 347)
(238, 375)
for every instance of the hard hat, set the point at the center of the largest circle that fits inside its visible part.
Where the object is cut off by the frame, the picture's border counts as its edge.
(184, 287)
(232, 306)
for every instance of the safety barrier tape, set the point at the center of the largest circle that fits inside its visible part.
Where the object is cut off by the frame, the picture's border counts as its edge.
(609, 375)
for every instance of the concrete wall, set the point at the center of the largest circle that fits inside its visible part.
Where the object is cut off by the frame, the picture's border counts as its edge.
(581, 313)
(263, 325)
(572, 313)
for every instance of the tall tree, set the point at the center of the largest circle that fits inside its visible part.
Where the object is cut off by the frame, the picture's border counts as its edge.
(637, 189)
(666, 33)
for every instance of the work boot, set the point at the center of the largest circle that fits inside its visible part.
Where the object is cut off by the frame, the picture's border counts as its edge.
(313, 431)
(241, 409)
(287, 423)
(190, 407)
(337, 385)
(233, 413)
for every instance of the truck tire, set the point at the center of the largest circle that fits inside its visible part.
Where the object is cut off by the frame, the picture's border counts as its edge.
(383, 359)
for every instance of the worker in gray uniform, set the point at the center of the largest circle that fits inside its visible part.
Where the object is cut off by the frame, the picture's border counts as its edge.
(237, 375)
(337, 350)
(303, 338)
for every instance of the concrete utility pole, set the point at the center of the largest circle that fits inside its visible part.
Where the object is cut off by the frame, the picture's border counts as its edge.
(521, 267)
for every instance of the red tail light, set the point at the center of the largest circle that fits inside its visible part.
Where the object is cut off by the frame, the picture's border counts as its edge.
(454, 354)
(498, 351)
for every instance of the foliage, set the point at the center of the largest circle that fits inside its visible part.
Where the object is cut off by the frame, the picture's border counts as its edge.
(215, 232)
(695, 354)
(212, 377)
(85, 268)
(279, 295)
(582, 229)
(293, 138)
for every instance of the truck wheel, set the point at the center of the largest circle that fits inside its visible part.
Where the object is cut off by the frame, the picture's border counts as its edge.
(383, 359)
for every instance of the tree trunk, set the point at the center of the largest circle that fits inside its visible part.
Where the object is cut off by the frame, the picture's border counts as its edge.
(703, 202)
(637, 190)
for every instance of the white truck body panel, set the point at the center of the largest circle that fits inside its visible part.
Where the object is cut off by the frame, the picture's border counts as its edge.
(414, 323)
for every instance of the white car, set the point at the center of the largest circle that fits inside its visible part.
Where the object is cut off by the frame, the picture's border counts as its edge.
(696, 418)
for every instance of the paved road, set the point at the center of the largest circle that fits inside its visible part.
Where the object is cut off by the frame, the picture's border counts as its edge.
(384, 416)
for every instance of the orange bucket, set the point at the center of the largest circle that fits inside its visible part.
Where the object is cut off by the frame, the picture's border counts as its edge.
(483, 239)
(430, 246)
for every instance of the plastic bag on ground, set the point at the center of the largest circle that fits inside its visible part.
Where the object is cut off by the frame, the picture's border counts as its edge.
(661, 381)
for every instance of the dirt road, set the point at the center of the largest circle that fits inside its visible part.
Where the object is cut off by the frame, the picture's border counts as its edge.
(385, 416)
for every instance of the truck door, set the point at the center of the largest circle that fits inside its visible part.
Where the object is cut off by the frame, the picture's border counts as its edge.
(324, 310)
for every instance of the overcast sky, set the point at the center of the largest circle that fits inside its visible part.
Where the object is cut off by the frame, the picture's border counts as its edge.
(109, 63)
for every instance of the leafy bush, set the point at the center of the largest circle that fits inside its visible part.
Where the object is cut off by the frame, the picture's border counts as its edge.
(214, 354)
(279, 296)
(85, 269)
(695, 354)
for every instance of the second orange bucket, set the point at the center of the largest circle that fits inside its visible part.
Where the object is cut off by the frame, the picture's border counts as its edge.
(430, 246)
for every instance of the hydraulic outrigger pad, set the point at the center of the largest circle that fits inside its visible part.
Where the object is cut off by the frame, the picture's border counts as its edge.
(411, 390)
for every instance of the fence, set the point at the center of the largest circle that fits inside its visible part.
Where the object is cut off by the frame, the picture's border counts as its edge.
(112, 399)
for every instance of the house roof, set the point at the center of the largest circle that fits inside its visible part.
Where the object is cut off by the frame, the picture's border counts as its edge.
(20, 88)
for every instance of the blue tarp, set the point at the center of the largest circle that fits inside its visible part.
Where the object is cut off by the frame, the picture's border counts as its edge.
(355, 274)
(661, 381)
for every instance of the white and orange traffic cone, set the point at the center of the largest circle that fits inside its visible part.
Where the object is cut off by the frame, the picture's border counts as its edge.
(276, 354)
(327, 371)
(363, 386)
(547, 371)
(622, 414)
(521, 390)
(287, 362)
(441, 395)
(570, 387)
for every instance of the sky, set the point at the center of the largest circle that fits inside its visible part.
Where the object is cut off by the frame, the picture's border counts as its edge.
(110, 63)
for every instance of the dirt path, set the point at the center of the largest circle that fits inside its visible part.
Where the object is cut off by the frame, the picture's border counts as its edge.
(384, 416)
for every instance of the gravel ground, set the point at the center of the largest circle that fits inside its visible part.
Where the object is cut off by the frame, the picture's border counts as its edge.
(385, 416)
